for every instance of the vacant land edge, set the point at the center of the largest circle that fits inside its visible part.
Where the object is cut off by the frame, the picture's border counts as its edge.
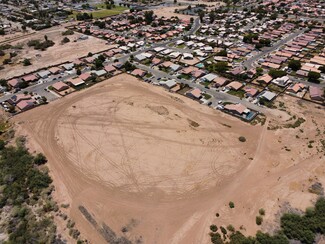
(99, 131)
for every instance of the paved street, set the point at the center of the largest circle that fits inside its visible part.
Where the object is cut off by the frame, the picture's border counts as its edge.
(215, 94)
(249, 62)
(40, 89)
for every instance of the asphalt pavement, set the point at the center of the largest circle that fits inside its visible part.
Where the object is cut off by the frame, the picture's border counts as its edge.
(214, 93)
(249, 62)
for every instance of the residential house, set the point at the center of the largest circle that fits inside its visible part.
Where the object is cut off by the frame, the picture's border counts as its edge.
(195, 93)
(60, 86)
(169, 84)
(75, 82)
(174, 54)
(139, 72)
(26, 104)
(266, 79)
(17, 98)
(68, 66)
(85, 76)
(44, 74)
(282, 81)
(237, 109)
(109, 69)
(295, 88)
(250, 91)
(30, 78)
(140, 57)
(55, 70)
(235, 85)
(220, 81)
(14, 83)
(156, 61)
(175, 67)
(117, 65)
(98, 73)
(209, 77)
(269, 96)
(316, 93)
(188, 56)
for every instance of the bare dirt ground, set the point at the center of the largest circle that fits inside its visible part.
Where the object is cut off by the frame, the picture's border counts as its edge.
(169, 12)
(53, 55)
(130, 156)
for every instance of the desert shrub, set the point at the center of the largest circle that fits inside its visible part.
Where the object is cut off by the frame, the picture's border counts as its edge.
(216, 238)
(261, 211)
(70, 224)
(259, 220)
(22, 190)
(231, 205)
(26, 62)
(213, 228)
(65, 40)
(67, 33)
(223, 230)
(242, 139)
(231, 228)
(40, 159)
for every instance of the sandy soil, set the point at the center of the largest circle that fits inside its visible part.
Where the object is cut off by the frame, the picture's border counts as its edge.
(169, 12)
(53, 55)
(133, 156)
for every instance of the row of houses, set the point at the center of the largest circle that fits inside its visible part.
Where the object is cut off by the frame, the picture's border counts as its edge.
(124, 29)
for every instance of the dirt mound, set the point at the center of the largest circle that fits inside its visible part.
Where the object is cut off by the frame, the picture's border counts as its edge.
(161, 110)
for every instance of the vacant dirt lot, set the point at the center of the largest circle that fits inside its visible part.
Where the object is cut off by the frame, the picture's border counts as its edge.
(53, 55)
(128, 155)
(169, 12)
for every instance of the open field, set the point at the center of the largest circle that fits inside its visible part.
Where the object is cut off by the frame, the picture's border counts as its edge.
(102, 13)
(124, 153)
(169, 12)
(53, 55)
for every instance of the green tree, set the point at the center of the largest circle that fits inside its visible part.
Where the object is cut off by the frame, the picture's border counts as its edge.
(212, 17)
(313, 76)
(221, 67)
(40, 159)
(222, 53)
(65, 40)
(128, 66)
(201, 15)
(213, 228)
(259, 220)
(261, 211)
(277, 73)
(322, 68)
(294, 64)
(26, 62)
(148, 17)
